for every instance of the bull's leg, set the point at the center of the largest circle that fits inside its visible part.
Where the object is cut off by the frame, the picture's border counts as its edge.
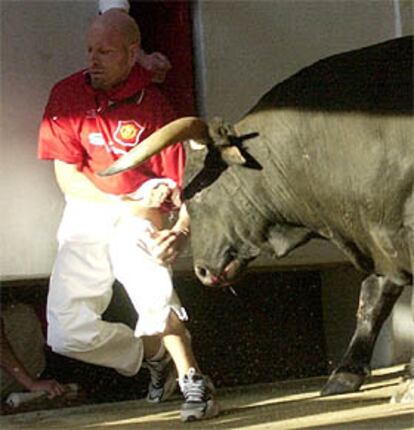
(376, 300)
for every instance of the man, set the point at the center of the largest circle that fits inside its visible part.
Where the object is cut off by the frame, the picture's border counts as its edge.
(114, 227)
(22, 357)
(156, 62)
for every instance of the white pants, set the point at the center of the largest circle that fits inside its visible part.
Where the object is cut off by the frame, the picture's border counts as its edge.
(97, 245)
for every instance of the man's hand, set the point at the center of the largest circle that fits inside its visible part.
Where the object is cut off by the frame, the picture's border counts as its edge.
(156, 193)
(49, 386)
(156, 63)
(168, 244)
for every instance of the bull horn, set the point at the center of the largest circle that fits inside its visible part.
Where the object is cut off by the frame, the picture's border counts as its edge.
(176, 131)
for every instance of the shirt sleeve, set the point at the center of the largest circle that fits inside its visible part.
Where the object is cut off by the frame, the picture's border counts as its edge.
(57, 139)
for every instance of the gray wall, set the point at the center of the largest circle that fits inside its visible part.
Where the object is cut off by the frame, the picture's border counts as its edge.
(41, 42)
(248, 46)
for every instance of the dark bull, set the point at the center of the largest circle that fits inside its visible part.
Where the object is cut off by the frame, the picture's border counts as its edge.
(327, 153)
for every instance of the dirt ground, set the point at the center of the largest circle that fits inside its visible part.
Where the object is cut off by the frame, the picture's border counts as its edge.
(282, 405)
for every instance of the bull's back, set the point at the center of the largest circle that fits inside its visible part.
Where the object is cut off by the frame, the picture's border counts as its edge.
(376, 79)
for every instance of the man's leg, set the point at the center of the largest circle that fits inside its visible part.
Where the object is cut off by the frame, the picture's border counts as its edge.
(79, 292)
(197, 389)
(177, 340)
(151, 291)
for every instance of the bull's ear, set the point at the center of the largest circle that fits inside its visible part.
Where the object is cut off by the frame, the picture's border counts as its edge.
(285, 238)
(197, 145)
(223, 136)
(220, 132)
(232, 155)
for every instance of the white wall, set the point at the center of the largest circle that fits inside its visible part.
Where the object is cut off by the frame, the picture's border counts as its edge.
(41, 42)
(250, 45)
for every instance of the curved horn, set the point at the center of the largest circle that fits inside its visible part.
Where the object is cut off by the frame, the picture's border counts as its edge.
(176, 131)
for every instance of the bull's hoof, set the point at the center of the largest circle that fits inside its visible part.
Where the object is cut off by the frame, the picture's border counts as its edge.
(404, 393)
(342, 383)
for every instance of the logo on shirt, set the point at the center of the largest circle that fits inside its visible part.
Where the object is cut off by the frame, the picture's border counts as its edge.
(96, 139)
(128, 133)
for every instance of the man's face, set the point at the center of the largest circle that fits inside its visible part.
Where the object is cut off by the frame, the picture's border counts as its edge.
(110, 58)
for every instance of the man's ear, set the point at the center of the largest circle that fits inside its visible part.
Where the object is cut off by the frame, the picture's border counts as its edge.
(133, 53)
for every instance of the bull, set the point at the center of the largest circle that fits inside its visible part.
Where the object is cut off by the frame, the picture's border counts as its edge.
(327, 153)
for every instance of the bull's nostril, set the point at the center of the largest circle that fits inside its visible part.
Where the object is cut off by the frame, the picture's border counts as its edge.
(201, 272)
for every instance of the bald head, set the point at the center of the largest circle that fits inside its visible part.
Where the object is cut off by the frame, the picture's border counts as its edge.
(120, 22)
(113, 41)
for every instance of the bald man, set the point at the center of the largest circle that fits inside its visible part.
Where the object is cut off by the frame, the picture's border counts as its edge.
(111, 227)
(156, 62)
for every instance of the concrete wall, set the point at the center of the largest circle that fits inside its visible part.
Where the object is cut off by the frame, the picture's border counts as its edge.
(248, 46)
(41, 42)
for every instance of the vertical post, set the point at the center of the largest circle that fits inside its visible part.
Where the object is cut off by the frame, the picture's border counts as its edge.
(397, 18)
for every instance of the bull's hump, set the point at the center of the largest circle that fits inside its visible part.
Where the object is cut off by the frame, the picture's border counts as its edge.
(345, 82)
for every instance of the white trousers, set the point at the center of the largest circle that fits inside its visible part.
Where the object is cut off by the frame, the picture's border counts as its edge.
(96, 245)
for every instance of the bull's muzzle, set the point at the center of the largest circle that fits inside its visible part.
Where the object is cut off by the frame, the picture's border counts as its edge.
(223, 279)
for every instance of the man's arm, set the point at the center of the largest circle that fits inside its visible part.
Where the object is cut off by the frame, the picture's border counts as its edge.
(76, 184)
(157, 63)
(11, 364)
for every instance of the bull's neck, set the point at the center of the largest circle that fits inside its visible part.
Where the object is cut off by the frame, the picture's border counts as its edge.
(280, 187)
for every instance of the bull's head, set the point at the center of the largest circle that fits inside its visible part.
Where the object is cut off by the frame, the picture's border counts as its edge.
(222, 238)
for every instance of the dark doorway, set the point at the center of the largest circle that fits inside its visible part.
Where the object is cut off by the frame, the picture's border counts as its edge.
(166, 27)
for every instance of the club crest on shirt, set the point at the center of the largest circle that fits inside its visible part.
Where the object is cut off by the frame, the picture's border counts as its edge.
(128, 133)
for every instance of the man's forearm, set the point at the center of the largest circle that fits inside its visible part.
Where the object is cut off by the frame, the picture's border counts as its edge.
(76, 184)
(11, 364)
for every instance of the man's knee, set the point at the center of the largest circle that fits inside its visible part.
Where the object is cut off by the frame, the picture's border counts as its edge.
(176, 325)
(65, 340)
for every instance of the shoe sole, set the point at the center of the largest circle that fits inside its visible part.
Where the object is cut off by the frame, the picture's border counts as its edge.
(211, 410)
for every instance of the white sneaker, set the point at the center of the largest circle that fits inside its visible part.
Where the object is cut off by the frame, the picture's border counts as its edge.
(198, 393)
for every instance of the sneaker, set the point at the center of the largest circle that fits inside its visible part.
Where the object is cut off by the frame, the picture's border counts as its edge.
(163, 379)
(198, 393)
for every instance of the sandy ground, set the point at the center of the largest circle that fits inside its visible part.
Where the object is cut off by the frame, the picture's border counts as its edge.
(283, 406)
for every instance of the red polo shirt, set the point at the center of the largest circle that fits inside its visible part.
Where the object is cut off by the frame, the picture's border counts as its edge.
(92, 129)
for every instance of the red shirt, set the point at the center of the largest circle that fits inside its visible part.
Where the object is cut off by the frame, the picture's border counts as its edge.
(92, 129)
